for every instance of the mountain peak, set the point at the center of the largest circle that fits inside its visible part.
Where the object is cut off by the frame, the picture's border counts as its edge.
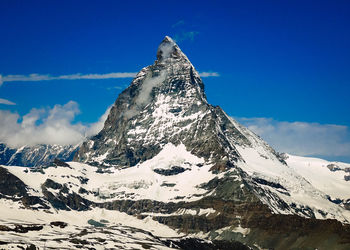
(164, 104)
(168, 49)
(168, 38)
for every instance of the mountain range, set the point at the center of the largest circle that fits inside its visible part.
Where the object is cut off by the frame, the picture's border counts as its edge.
(35, 156)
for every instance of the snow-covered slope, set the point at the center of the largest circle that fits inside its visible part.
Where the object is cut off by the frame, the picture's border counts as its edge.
(296, 186)
(307, 192)
(307, 183)
(144, 181)
(97, 228)
(328, 177)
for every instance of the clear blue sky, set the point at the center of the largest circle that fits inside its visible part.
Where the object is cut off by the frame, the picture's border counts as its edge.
(286, 60)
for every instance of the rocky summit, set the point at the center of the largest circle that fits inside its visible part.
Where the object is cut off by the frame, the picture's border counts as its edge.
(169, 170)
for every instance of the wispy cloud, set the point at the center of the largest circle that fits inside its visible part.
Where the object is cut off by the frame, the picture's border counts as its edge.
(38, 77)
(47, 126)
(209, 74)
(6, 102)
(116, 87)
(185, 35)
(302, 138)
(179, 23)
(183, 31)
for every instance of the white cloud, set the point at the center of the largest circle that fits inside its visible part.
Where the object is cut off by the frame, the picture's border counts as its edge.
(144, 96)
(302, 138)
(179, 23)
(185, 35)
(148, 84)
(209, 74)
(96, 127)
(38, 77)
(166, 49)
(6, 102)
(78, 76)
(47, 126)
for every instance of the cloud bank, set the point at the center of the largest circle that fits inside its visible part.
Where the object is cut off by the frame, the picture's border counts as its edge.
(6, 102)
(47, 126)
(302, 138)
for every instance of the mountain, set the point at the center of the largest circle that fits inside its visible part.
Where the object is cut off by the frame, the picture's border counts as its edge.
(169, 170)
(165, 104)
(35, 156)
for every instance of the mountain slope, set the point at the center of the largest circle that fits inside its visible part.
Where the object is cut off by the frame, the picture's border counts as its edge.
(174, 162)
(214, 207)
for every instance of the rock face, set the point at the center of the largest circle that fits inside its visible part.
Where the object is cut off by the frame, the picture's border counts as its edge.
(164, 104)
(11, 185)
(13, 188)
(35, 156)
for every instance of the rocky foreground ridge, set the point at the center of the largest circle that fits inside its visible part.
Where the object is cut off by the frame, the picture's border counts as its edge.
(169, 170)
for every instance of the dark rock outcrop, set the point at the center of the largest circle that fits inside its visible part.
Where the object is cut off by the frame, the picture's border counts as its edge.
(60, 224)
(60, 163)
(11, 185)
(13, 188)
(174, 170)
(63, 199)
(18, 228)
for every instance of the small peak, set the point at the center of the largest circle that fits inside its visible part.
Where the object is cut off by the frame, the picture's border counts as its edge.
(168, 39)
(169, 49)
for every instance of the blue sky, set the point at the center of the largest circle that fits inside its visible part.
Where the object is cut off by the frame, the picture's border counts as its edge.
(283, 61)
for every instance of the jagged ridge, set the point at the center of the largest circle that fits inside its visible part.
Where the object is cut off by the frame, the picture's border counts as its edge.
(35, 156)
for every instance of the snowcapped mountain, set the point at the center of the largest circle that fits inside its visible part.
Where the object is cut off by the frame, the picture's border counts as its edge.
(35, 156)
(169, 170)
(164, 104)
